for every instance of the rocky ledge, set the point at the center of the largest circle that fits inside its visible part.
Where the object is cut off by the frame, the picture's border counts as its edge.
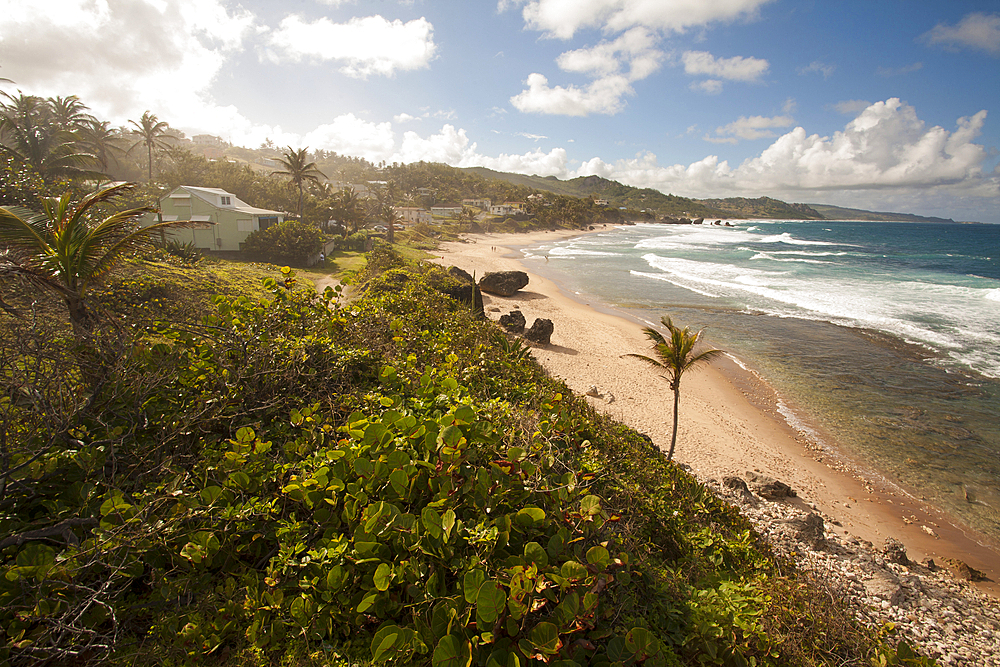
(932, 606)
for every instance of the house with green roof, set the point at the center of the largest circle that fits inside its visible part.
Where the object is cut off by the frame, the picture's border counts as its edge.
(221, 221)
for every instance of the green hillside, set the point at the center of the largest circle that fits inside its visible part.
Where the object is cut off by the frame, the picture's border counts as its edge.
(655, 201)
(841, 213)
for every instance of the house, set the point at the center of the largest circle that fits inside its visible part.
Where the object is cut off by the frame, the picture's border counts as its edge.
(413, 214)
(221, 220)
(478, 203)
(508, 208)
(446, 211)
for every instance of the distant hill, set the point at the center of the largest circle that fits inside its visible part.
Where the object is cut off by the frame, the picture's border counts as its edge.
(841, 213)
(655, 201)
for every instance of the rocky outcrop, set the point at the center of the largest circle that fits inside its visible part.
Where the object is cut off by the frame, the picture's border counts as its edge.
(513, 321)
(503, 283)
(540, 331)
(935, 609)
(768, 487)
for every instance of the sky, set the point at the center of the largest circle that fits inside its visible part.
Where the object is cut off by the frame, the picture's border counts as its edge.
(888, 105)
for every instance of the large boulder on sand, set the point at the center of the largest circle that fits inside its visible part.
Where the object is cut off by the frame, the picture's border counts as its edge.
(503, 283)
(513, 321)
(540, 331)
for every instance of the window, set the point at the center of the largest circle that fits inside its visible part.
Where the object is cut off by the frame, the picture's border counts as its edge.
(226, 201)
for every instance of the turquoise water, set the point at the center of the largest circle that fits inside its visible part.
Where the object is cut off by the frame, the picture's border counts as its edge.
(883, 337)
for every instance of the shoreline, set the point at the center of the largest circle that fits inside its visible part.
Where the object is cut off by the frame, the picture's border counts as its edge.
(731, 421)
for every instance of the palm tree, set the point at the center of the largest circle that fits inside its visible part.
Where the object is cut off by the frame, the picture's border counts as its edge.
(347, 205)
(675, 355)
(150, 131)
(30, 132)
(68, 112)
(299, 170)
(66, 248)
(101, 140)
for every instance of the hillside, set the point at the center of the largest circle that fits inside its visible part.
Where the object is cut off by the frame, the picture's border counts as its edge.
(655, 201)
(841, 213)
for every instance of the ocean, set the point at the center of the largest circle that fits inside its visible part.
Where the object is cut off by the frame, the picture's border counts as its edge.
(882, 339)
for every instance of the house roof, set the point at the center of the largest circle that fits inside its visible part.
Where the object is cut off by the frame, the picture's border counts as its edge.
(209, 196)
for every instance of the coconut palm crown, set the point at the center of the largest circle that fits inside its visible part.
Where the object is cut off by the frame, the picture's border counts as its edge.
(67, 247)
(298, 168)
(150, 131)
(675, 355)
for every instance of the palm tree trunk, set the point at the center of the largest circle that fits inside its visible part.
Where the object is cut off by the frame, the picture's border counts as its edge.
(149, 150)
(300, 202)
(673, 436)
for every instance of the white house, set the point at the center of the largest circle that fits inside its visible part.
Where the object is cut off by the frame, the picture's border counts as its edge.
(446, 211)
(223, 221)
(413, 214)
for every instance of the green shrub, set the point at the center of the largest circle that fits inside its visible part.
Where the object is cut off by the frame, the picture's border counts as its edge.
(290, 242)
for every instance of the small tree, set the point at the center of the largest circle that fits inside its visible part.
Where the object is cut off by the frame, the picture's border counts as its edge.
(291, 242)
(67, 247)
(675, 355)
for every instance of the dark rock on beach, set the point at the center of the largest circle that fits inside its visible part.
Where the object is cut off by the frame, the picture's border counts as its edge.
(503, 283)
(768, 487)
(540, 331)
(513, 321)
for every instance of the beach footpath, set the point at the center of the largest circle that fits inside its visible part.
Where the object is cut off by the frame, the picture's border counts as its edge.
(886, 554)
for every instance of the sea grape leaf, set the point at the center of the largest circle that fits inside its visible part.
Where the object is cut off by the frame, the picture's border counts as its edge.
(573, 570)
(598, 556)
(471, 583)
(534, 552)
(383, 576)
(432, 522)
(452, 651)
(385, 641)
(530, 516)
(490, 603)
(590, 505)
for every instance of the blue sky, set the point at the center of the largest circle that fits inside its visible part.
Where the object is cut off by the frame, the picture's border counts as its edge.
(879, 104)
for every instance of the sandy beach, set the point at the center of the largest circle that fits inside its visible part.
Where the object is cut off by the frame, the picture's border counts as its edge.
(729, 422)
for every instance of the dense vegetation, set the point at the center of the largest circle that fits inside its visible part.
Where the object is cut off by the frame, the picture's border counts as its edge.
(274, 476)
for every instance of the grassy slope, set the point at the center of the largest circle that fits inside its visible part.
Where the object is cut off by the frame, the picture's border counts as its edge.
(224, 576)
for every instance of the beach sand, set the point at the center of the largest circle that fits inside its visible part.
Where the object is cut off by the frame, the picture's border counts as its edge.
(729, 423)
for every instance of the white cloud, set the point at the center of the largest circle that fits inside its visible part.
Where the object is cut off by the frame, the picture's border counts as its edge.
(636, 48)
(563, 18)
(710, 86)
(349, 135)
(603, 96)
(612, 64)
(404, 118)
(124, 57)
(366, 46)
(976, 31)
(737, 68)
(886, 148)
(817, 66)
(528, 135)
(754, 127)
